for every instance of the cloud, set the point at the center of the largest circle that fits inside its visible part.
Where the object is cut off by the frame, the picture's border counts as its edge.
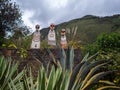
(45, 12)
(57, 4)
(27, 15)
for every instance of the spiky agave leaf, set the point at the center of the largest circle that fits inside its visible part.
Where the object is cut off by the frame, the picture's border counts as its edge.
(51, 82)
(91, 58)
(63, 59)
(94, 79)
(28, 81)
(3, 66)
(85, 58)
(9, 78)
(68, 59)
(86, 76)
(11, 85)
(41, 80)
(71, 58)
(58, 77)
(106, 82)
(7, 74)
(74, 75)
(52, 56)
(108, 87)
(16, 83)
(65, 80)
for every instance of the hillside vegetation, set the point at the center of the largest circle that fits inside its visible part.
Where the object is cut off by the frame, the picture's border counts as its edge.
(89, 27)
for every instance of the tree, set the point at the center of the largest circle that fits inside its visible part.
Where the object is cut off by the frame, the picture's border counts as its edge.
(10, 17)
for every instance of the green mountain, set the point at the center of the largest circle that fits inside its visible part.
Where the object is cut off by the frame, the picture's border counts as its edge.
(88, 27)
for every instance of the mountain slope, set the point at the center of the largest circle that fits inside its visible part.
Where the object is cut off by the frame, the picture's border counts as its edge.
(89, 27)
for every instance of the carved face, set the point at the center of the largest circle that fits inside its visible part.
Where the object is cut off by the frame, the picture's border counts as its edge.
(63, 32)
(37, 26)
(52, 27)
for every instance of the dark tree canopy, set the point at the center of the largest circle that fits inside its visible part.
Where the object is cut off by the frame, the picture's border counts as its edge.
(10, 17)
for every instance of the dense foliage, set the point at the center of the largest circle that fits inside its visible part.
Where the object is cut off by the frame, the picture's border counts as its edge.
(110, 41)
(105, 42)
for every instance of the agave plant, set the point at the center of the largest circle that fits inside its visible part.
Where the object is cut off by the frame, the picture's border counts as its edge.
(60, 80)
(56, 80)
(9, 78)
(86, 73)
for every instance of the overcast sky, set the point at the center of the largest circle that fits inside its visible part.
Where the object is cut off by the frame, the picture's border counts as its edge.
(44, 12)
